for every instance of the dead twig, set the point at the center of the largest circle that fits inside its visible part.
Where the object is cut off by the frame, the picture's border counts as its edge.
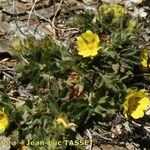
(15, 99)
(7, 75)
(29, 17)
(102, 137)
(90, 138)
(147, 128)
(55, 14)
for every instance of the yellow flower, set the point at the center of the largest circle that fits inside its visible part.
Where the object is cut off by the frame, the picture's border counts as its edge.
(118, 11)
(3, 121)
(106, 9)
(136, 102)
(132, 24)
(61, 121)
(144, 59)
(88, 44)
(23, 147)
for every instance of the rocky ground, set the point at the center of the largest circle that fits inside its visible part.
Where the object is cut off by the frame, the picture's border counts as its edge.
(46, 17)
(38, 18)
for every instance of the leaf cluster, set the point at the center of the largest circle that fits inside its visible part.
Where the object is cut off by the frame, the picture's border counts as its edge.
(84, 90)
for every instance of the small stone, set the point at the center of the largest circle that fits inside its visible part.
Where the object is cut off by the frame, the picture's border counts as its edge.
(5, 45)
(25, 1)
(113, 1)
(10, 28)
(2, 31)
(5, 143)
(3, 1)
(13, 11)
(130, 146)
(90, 2)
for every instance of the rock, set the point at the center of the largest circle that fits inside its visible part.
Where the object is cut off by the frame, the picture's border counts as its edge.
(5, 143)
(5, 45)
(26, 1)
(70, 2)
(113, 1)
(37, 31)
(130, 146)
(90, 2)
(10, 28)
(3, 1)
(111, 147)
(2, 31)
(13, 11)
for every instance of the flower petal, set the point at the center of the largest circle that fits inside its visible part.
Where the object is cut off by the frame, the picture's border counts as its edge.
(88, 44)
(88, 35)
(136, 103)
(137, 114)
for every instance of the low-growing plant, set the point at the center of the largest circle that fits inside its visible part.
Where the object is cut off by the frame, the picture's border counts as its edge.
(74, 89)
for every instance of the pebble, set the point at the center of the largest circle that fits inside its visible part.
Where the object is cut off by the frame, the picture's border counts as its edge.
(90, 2)
(25, 1)
(10, 28)
(5, 143)
(113, 1)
